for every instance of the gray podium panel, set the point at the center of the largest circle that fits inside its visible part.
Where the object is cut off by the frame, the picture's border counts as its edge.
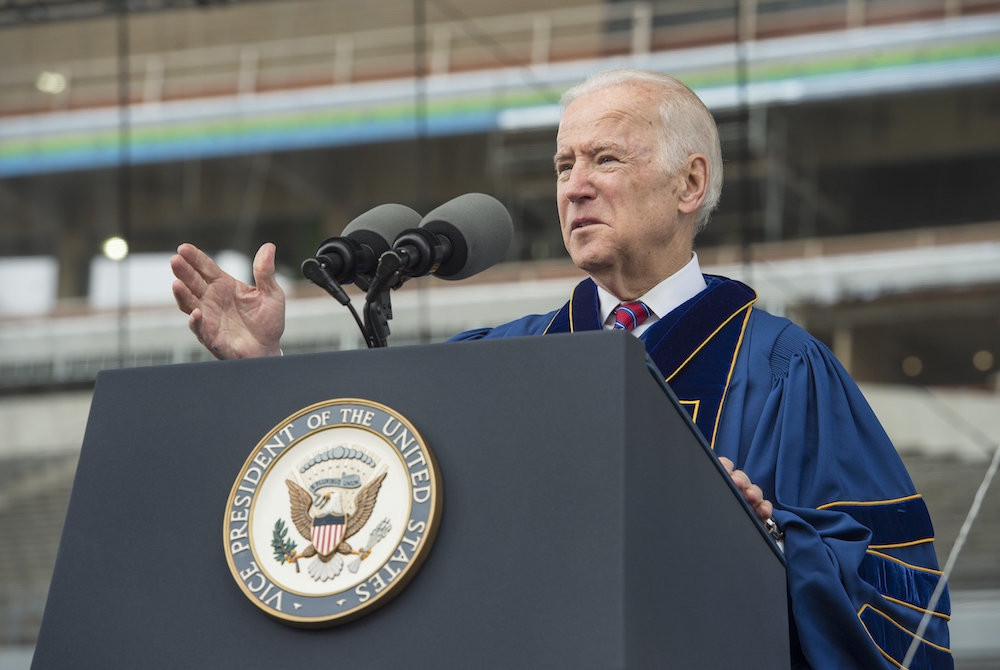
(584, 526)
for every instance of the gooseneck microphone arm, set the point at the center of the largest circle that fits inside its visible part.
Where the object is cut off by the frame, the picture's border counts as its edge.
(316, 271)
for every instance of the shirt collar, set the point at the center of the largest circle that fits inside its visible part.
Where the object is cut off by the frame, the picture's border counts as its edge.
(666, 296)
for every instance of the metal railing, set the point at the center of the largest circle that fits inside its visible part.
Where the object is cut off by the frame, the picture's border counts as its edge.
(462, 44)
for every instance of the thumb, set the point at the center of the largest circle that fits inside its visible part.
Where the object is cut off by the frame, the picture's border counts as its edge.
(263, 270)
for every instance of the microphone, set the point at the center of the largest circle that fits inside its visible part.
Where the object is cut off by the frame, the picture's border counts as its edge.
(462, 237)
(354, 255)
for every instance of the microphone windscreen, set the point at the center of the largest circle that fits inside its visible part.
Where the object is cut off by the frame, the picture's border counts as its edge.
(379, 227)
(479, 228)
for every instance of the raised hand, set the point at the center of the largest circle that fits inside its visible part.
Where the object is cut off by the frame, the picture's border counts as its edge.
(232, 319)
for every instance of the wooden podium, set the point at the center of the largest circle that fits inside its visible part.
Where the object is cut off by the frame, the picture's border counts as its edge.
(585, 522)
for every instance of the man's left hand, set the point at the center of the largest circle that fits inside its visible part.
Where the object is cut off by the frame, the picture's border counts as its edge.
(752, 493)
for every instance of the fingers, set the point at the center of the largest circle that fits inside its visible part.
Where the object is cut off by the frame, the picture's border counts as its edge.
(765, 510)
(741, 480)
(200, 262)
(753, 494)
(186, 273)
(183, 296)
(263, 270)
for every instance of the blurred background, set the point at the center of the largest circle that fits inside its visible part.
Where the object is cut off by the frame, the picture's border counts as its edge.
(861, 200)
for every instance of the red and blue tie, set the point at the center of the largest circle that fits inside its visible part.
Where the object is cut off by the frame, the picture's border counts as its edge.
(629, 315)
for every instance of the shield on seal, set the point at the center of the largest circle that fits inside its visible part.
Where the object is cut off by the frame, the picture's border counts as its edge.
(327, 532)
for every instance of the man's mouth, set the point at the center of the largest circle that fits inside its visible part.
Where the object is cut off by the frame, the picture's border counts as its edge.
(582, 223)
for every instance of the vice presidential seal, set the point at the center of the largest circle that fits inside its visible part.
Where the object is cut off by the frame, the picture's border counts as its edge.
(333, 513)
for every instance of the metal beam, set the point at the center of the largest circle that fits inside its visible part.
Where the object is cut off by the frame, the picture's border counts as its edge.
(21, 12)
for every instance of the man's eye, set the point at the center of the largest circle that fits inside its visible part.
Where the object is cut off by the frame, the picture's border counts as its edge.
(606, 159)
(565, 167)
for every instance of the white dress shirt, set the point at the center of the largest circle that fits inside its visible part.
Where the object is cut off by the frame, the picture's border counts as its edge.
(662, 299)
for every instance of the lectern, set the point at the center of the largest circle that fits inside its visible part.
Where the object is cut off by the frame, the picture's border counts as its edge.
(586, 525)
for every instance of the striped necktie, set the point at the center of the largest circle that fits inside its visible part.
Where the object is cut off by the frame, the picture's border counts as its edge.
(629, 315)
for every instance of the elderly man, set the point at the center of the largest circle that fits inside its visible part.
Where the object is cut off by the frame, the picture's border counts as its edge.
(639, 171)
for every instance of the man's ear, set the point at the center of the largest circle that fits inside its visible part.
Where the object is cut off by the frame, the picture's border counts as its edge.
(694, 174)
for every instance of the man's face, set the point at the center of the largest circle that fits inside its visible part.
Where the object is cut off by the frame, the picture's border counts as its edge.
(617, 202)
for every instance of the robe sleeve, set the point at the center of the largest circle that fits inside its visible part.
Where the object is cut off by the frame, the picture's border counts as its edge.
(858, 538)
(534, 324)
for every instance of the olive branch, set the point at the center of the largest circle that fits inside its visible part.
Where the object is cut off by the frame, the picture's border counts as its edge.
(284, 549)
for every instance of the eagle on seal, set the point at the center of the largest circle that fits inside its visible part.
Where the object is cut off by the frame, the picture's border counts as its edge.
(316, 525)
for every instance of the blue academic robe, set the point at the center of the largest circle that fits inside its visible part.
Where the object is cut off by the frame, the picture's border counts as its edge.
(774, 400)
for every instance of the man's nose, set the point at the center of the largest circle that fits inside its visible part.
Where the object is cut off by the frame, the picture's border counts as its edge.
(579, 185)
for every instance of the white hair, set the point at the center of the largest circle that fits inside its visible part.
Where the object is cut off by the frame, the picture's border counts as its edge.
(688, 126)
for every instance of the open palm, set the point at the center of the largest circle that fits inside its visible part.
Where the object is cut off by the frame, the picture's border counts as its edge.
(232, 319)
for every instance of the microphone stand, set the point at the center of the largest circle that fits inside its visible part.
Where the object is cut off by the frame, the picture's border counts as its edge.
(415, 252)
(378, 304)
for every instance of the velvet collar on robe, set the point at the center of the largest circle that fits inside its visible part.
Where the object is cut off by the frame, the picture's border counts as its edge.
(694, 346)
